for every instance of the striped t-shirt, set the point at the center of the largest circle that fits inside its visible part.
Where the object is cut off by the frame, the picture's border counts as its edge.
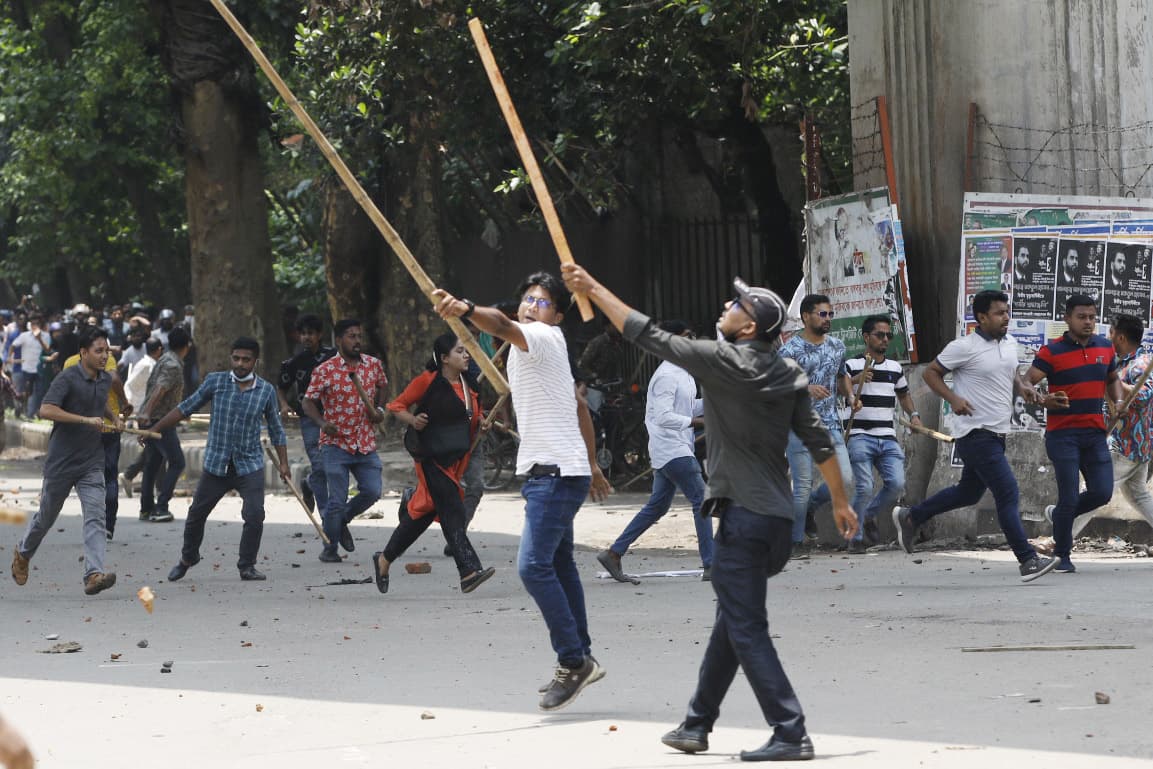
(1080, 371)
(878, 397)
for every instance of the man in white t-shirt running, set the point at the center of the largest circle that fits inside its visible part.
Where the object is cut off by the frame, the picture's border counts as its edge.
(556, 455)
(984, 367)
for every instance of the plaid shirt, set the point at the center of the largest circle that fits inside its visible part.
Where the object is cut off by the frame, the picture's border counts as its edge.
(234, 433)
(1132, 438)
(341, 404)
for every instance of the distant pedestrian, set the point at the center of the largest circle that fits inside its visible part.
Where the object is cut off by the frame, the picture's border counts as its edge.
(291, 385)
(165, 389)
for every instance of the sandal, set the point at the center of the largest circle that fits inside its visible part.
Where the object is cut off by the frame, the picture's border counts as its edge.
(381, 577)
(468, 584)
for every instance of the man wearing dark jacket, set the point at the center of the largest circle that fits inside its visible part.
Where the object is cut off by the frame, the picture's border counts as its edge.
(752, 398)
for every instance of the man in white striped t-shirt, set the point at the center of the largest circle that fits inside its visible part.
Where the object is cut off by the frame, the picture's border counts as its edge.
(872, 439)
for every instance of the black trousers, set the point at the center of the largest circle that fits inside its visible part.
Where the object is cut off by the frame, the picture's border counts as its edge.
(750, 548)
(450, 509)
(209, 492)
(111, 442)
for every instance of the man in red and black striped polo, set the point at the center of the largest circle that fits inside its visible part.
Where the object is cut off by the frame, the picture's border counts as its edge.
(1081, 368)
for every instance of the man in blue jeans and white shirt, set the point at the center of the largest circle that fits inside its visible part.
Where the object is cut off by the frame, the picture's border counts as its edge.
(984, 367)
(823, 359)
(557, 455)
(672, 410)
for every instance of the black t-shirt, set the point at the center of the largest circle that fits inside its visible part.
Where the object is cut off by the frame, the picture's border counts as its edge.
(297, 370)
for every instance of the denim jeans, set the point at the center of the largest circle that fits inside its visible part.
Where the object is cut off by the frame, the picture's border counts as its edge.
(209, 492)
(338, 465)
(867, 452)
(1133, 479)
(986, 467)
(166, 449)
(310, 434)
(751, 548)
(111, 443)
(89, 487)
(546, 565)
(682, 473)
(33, 394)
(1077, 452)
(802, 469)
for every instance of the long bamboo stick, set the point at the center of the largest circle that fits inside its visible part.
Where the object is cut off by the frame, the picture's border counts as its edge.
(359, 195)
(524, 149)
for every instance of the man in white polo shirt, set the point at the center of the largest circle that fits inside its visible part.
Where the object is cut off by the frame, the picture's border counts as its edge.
(984, 368)
(557, 455)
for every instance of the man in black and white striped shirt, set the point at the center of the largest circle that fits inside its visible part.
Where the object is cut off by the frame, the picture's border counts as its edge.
(872, 439)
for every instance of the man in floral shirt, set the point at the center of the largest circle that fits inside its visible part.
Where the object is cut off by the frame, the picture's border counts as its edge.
(348, 431)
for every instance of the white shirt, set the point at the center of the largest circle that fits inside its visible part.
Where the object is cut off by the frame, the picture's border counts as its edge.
(669, 411)
(136, 386)
(983, 373)
(545, 400)
(29, 350)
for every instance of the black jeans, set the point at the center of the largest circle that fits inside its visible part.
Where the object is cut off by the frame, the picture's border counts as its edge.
(111, 443)
(208, 493)
(750, 548)
(166, 449)
(450, 509)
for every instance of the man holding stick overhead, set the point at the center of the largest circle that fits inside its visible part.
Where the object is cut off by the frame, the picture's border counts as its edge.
(77, 402)
(348, 388)
(753, 397)
(233, 457)
(557, 454)
(984, 368)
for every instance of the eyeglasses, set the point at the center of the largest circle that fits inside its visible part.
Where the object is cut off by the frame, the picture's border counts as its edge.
(536, 301)
(882, 334)
(824, 313)
(736, 302)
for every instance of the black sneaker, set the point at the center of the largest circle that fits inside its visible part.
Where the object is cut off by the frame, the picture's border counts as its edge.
(160, 516)
(1037, 566)
(568, 683)
(906, 529)
(800, 552)
(596, 677)
(307, 495)
(811, 524)
(872, 532)
(856, 547)
(346, 540)
(687, 739)
(468, 584)
(1064, 565)
(330, 556)
(250, 574)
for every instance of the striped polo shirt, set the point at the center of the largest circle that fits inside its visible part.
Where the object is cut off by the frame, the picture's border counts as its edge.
(1080, 371)
(878, 397)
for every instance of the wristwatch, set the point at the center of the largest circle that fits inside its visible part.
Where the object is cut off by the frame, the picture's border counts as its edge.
(914, 414)
(471, 306)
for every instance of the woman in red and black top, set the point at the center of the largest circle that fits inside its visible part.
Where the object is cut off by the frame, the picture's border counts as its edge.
(442, 408)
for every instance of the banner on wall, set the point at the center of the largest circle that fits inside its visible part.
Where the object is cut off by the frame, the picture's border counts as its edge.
(855, 255)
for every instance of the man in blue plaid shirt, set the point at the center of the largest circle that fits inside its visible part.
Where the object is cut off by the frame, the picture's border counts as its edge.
(233, 458)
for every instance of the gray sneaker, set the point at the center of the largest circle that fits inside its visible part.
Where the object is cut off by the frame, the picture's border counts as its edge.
(1035, 567)
(568, 683)
(596, 677)
(906, 529)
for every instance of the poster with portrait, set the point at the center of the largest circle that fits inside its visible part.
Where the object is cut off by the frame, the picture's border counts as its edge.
(1034, 276)
(1127, 280)
(1080, 264)
(855, 256)
(988, 265)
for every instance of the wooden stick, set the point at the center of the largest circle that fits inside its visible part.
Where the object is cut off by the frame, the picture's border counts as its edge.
(857, 394)
(489, 418)
(1128, 401)
(133, 431)
(495, 357)
(271, 454)
(1049, 648)
(367, 401)
(926, 431)
(524, 149)
(359, 195)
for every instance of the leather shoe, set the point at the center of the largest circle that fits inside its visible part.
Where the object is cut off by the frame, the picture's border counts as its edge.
(779, 750)
(687, 739)
(180, 569)
(250, 574)
(307, 495)
(346, 540)
(330, 556)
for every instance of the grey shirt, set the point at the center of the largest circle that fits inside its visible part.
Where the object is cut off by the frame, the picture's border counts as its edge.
(753, 397)
(75, 450)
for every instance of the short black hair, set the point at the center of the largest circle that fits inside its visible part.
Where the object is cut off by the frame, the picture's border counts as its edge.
(1078, 300)
(871, 322)
(178, 339)
(812, 300)
(309, 323)
(89, 334)
(246, 343)
(1130, 327)
(983, 300)
(152, 345)
(344, 324)
(555, 287)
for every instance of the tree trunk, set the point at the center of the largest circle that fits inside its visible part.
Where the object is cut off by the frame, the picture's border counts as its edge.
(352, 254)
(161, 254)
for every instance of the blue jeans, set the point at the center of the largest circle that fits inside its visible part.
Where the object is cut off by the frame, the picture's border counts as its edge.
(867, 452)
(751, 548)
(310, 434)
(801, 467)
(546, 566)
(682, 473)
(338, 465)
(166, 449)
(1080, 451)
(986, 467)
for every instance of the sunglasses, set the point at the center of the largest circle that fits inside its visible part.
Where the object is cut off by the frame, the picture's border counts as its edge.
(736, 302)
(882, 334)
(536, 301)
(823, 313)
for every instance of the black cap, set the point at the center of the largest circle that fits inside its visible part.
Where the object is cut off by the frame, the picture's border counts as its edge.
(768, 308)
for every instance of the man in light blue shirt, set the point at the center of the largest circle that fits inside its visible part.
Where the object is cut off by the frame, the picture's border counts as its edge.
(672, 410)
